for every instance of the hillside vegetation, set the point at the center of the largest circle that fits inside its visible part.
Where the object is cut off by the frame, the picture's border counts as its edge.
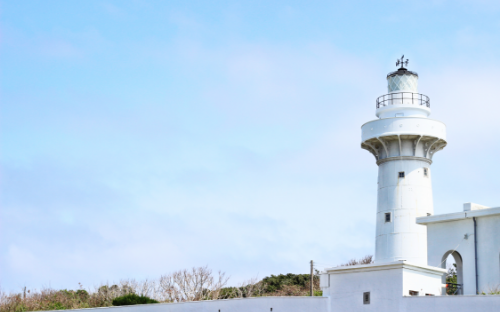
(180, 286)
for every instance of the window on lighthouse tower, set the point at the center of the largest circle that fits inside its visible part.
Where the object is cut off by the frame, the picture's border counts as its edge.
(402, 174)
(388, 217)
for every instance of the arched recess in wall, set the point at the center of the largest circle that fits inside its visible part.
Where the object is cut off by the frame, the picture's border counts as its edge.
(460, 265)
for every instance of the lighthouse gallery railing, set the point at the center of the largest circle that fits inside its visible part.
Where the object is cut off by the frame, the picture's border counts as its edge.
(403, 98)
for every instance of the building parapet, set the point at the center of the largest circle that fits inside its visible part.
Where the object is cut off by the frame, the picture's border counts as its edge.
(459, 216)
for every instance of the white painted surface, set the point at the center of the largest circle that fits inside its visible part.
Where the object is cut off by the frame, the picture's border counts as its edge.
(473, 206)
(426, 281)
(256, 304)
(324, 304)
(406, 108)
(403, 126)
(403, 145)
(455, 232)
(450, 303)
(387, 284)
(405, 199)
(347, 288)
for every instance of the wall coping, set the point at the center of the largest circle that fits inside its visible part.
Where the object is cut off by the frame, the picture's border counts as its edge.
(487, 212)
(386, 266)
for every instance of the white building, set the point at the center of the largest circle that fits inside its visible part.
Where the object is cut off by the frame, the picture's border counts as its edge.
(472, 237)
(403, 140)
(411, 243)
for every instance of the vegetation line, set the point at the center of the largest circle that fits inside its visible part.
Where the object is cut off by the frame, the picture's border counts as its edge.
(181, 286)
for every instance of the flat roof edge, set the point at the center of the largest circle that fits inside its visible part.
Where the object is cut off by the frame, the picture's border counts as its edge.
(449, 217)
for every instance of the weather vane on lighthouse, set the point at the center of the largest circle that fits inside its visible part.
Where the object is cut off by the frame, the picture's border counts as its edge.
(402, 62)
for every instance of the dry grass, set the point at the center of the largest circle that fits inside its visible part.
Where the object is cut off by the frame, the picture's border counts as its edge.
(365, 260)
(50, 299)
(492, 291)
(295, 290)
(255, 288)
(184, 285)
(180, 286)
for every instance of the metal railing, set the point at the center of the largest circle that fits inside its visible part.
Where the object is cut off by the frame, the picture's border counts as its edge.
(403, 98)
(454, 289)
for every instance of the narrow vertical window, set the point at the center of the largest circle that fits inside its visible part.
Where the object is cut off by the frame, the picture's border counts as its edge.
(402, 174)
(388, 217)
(426, 172)
(366, 298)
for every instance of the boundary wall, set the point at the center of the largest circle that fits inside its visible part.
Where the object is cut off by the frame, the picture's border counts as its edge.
(318, 304)
(489, 303)
(255, 304)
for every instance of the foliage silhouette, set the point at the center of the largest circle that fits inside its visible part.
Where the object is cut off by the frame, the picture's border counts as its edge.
(132, 299)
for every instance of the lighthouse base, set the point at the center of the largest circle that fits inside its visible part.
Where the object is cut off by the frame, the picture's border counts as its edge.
(379, 286)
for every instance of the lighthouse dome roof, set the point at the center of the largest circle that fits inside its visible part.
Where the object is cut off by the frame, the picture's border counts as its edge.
(400, 72)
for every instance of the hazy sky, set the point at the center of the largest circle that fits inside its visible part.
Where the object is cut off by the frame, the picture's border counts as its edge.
(142, 137)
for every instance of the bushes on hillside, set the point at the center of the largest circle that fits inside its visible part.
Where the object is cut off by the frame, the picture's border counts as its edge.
(180, 286)
(50, 299)
(132, 299)
(274, 285)
(276, 282)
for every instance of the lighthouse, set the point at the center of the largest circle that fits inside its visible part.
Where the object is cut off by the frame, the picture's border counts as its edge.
(403, 141)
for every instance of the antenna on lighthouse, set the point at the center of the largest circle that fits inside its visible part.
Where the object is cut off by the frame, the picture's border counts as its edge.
(402, 62)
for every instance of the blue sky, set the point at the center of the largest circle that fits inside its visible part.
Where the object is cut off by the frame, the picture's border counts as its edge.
(142, 137)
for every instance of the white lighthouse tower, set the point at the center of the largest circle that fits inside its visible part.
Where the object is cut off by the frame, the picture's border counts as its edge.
(403, 140)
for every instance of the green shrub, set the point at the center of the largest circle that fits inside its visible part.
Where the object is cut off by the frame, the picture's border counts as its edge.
(228, 293)
(276, 282)
(132, 299)
(82, 293)
(56, 306)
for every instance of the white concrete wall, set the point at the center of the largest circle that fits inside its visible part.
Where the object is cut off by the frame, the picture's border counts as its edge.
(403, 144)
(346, 291)
(444, 238)
(385, 296)
(387, 284)
(257, 304)
(450, 303)
(423, 282)
(406, 199)
(403, 126)
(389, 291)
(449, 234)
(488, 235)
